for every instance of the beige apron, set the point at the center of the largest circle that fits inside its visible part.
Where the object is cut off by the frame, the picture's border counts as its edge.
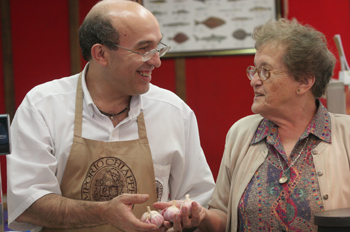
(100, 171)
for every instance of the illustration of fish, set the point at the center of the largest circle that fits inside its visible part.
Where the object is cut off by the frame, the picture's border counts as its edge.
(158, 1)
(241, 18)
(240, 34)
(213, 37)
(260, 8)
(230, 10)
(180, 12)
(158, 13)
(179, 38)
(201, 8)
(175, 24)
(211, 22)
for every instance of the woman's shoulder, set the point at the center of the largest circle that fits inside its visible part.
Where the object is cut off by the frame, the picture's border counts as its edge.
(340, 117)
(247, 123)
(340, 122)
(244, 127)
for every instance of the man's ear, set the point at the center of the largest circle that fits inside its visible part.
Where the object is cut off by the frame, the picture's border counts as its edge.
(99, 53)
(306, 83)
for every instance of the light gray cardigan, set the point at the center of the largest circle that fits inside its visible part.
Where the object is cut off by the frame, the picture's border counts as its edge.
(240, 161)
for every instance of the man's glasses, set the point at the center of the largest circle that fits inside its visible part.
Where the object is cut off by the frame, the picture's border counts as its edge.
(262, 72)
(148, 55)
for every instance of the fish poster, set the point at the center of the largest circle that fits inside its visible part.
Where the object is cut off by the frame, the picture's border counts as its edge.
(202, 26)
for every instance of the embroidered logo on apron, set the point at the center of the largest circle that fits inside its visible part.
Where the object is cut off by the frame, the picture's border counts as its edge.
(107, 178)
(159, 189)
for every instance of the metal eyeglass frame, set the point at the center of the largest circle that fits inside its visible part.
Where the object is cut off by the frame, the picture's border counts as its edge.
(252, 70)
(148, 55)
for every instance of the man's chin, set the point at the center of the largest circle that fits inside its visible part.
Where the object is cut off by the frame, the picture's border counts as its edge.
(144, 90)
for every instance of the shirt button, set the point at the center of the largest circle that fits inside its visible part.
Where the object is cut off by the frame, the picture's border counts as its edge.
(325, 196)
(319, 173)
(314, 152)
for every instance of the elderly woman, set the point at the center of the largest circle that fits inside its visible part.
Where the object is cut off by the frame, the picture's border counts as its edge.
(291, 159)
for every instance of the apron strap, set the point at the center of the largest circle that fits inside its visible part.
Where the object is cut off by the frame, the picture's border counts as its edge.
(141, 126)
(78, 108)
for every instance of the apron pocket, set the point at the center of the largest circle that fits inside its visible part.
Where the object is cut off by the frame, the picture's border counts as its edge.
(161, 173)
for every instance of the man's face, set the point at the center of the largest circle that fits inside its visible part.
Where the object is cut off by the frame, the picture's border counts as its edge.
(127, 69)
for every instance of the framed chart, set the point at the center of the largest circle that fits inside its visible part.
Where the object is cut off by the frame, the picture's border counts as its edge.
(211, 27)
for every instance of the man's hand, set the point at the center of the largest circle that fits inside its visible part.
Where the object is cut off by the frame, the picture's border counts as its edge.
(119, 213)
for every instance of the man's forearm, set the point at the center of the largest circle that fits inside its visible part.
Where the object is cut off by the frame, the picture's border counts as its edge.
(54, 211)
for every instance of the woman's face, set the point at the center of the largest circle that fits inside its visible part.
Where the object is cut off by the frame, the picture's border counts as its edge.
(274, 96)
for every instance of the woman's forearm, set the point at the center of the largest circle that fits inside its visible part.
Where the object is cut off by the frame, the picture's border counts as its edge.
(214, 221)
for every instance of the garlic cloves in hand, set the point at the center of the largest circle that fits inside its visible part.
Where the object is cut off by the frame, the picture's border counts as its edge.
(188, 204)
(152, 217)
(169, 213)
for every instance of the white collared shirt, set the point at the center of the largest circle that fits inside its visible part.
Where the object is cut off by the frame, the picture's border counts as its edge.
(42, 135)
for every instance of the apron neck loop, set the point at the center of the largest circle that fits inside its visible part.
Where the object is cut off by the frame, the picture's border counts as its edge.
(78, 124)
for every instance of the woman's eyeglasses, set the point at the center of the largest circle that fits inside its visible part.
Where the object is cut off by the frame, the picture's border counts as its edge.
(262, 72)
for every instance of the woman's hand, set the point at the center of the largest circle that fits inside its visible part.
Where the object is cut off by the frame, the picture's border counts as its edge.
(183, 220)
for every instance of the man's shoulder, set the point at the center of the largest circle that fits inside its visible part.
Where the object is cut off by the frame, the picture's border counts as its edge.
(161, 95)
(156, 91)
(57, 87)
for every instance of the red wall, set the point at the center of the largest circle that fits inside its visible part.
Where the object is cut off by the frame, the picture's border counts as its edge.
(217, 87)
(40, 43)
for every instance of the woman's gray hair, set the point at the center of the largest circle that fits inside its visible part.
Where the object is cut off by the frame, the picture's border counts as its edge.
(306, 51)
(97, 29)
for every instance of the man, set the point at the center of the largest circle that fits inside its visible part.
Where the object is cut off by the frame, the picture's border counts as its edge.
(133, 144)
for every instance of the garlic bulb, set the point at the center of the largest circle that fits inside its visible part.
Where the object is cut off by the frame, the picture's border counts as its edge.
(169, 213)
(152, 217)
(188, 204)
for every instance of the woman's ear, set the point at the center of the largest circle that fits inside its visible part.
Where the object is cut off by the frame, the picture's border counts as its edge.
(99, 53)
(305, 84)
